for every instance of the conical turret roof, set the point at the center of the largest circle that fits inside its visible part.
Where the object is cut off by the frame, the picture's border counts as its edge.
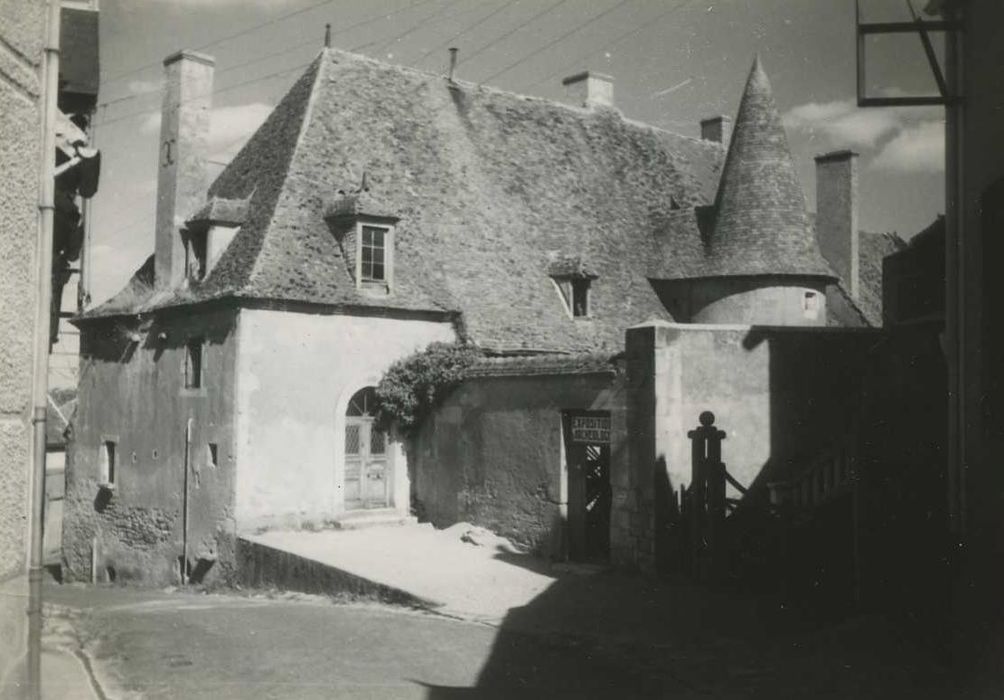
(761, 226)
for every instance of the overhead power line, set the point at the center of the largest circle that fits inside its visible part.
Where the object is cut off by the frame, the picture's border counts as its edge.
(220, 40)
(512, 31)
(616, 40)
(416, 27)
(561, 38)
(442, 44)
(355, 25)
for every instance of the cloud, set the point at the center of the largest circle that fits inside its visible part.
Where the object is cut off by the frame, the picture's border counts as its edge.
(919, 148)
(229, 126)
(842, 122)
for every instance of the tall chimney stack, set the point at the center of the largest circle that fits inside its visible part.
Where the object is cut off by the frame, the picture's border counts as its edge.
(717, 129)
(181, 177)
(590, 89)
(837, 215)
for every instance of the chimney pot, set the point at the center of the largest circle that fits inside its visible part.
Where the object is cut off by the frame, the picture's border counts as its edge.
(837, 215)
(453, 61)
(717, 129)
(590, 89)
(181, 174)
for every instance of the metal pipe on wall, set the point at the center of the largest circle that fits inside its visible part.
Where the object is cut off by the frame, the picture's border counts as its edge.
(40, 377)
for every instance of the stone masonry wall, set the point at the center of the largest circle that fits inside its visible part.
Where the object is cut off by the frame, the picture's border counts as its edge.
(132, 392)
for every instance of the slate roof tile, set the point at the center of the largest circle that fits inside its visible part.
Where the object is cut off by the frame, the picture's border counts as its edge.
(761, 226)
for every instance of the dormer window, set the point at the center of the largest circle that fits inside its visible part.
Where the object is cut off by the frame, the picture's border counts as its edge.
(580, 297)
(573, 279)
(364, 230)
(575, 292)
(374, 257)
(208, 233)
(195, 253)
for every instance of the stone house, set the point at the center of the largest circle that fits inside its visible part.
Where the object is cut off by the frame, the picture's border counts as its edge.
(228, 387)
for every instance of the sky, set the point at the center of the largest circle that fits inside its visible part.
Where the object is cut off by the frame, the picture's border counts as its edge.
(674, 62)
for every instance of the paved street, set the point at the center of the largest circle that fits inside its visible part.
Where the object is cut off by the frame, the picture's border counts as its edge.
(575, 639)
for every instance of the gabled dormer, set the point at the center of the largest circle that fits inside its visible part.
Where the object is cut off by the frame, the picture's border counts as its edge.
(208, 233)
(365, 233)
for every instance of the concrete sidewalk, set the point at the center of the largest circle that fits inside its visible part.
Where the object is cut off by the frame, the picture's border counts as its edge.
(434, 566)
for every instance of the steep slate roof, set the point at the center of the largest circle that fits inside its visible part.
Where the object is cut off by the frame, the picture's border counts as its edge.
(760, 225)
(491, 189)
(872, 249)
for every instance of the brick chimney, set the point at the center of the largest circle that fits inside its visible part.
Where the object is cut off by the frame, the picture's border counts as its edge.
(181, 172)
(837, 214)
(590, 89)
(717, 129)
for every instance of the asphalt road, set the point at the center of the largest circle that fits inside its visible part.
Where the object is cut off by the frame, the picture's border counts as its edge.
(585, 637)
(168, 645)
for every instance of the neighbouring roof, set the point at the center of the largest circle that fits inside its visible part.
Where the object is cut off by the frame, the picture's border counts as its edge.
(872, 249)
(760, 225)
(490, 188)
(542, 365)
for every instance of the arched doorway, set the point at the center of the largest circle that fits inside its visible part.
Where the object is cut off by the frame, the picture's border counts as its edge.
(366, 467)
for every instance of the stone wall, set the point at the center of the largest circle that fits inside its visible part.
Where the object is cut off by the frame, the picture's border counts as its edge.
(22, 25)
(782, 395)
(132, 392)
(493, 454)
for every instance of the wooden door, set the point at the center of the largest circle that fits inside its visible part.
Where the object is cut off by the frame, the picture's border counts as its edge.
(366, 468)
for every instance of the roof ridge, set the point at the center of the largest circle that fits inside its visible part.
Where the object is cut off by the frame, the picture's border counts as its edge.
(518, 95)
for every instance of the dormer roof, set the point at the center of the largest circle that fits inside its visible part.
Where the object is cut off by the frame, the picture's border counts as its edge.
(760, 224)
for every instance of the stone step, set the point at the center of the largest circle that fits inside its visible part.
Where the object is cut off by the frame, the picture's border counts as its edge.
(377, 517)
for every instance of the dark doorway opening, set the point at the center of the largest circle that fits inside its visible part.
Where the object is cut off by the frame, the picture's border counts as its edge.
(587, 468)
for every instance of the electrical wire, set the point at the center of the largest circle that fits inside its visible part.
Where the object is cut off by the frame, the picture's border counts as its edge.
(512, 31)
(504, 6)
(631, 32)
(561, 38)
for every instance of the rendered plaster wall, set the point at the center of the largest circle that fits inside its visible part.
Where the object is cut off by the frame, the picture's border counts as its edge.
(746, 300)
(296, 374)
(134, 393)
(22, 24)
(782, 396)
(493, 454)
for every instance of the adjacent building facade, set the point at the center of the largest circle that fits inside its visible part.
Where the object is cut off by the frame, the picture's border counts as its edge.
(615, 275)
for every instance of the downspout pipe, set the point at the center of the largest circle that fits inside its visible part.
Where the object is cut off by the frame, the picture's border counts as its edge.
(184, 504)
(40, 378)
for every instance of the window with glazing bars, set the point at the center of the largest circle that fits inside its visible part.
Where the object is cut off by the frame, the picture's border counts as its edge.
(373, 260)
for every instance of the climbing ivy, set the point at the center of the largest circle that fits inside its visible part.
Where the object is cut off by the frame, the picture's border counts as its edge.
(414, 386)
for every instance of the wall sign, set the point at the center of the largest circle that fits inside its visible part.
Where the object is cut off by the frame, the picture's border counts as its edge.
(591, 429)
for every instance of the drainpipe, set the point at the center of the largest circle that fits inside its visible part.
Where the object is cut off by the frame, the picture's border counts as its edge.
(184, 505)
(40, 378)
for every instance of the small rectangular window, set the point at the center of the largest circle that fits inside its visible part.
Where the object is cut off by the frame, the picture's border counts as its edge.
(214, 455)
(373, 258)
(108, 463)
(193, 363)
(580, 297)
(810, 305)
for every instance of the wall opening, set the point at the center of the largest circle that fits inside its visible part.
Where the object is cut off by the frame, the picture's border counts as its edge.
(193, 363)
(587, 455)
(213, 455)
(108, 462)
(580, 297)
